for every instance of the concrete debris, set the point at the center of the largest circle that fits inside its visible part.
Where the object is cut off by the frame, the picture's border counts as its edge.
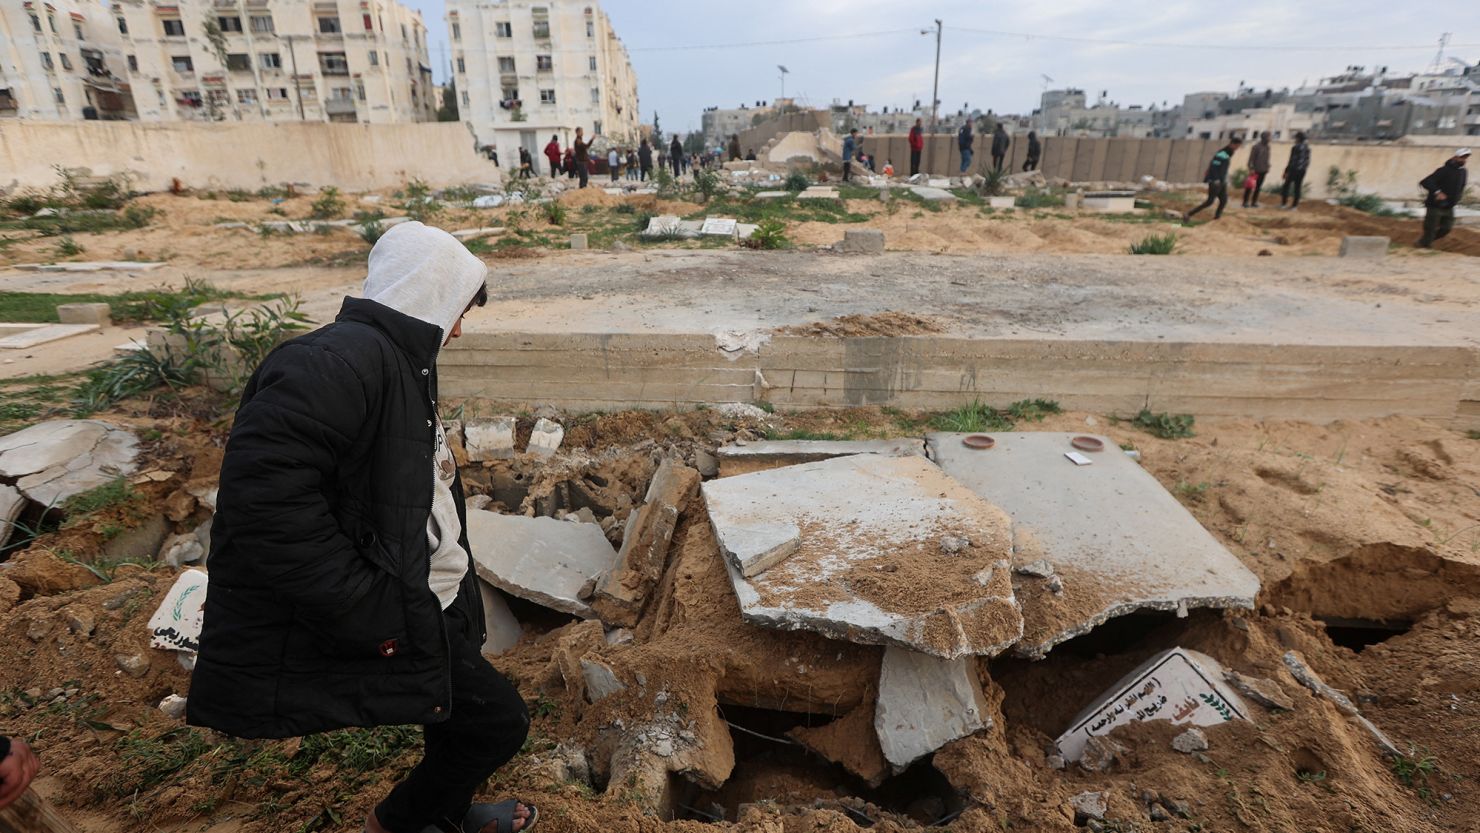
(924, 703)
(488, 201)
(1192, 740)
(134, 665)
(546, 438)
(98, 314)
(622, 592)
(1040, 568)
(862, 241)
(1100, 754)
(706, 463)
(853, 516)
(1118, 540)
(1026, 179)
(478, 233)
(11, 504)
(489, 439)
(1353, 246)
(742, 410)
(498, 621)
(1307, 677)
(601, 681)
(1054, 760)
(954, 544)
(91, 266)
(1088, 805)
(44, 334)
(175, 625)
(52, 461)
(179, 550)
(1265, 692)
(741, 458)
(173, 706)
(540, 559)
(1178, 685)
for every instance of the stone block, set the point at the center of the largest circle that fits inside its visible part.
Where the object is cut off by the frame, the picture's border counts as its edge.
(1192, 740)
(498, 621)
(601, 681)
(578, 241)
(543, 560)
(866, 241)
(930, 193)
(1088, 805)
(621, 593)
(740, 459)
(179, 550)
(175, 625)
(1110, 205)
(98, 314)
(1117, 540)
(1178, 685)
(545, 440)
(1001, 202)
(719, 227)
(868, 530)
(1073, 200)
(1354, 246)
(1266, 693)
(489, 439)
(924, 703)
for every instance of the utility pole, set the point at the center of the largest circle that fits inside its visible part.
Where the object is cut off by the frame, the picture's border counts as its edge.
(934, 92)
(297, 90)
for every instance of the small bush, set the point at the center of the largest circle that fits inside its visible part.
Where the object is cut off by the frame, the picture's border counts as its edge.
(69, 247)
(327, 206)
(371, 230)
(624, 208)
(417, 201)
(994, 181)
(555, 212)
(459, 194)
(1035, 198)
(1164, 425)
(707, 183)
(138, 216)
(1155, 244)
(769, 234)
(1368, 203)
(25, 204)
(796, 182)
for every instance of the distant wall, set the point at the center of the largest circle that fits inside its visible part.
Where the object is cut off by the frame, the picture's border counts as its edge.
(1392, 171)
(350, 156)
(806, 121)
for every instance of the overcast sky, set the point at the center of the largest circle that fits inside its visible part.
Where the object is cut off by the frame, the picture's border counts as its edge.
(876, 55)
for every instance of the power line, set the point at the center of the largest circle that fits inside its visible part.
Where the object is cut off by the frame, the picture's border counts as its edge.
(786, 42)
(1202, 46)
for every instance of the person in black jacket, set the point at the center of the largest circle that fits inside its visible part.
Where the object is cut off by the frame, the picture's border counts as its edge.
(1035, 150)
(1000, 143)
(1445, 187)
(675, 155)
(1295, 172)
(1216, 177)
(18, 766)
(644, 160)
(342, 591)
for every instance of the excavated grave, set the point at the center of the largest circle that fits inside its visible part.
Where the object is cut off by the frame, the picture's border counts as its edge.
(869, 549)
(55, 460)
(1117, 541)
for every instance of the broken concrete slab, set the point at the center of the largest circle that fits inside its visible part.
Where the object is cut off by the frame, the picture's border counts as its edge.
(1117, 540)
(929, 193)
(478, 233)
(1306, 676)
(44, 334)
(489, 439)
(621, 593)
(770, 454)
(868, 567)
(925, 703)
(862, 241)
(498, 621)
(11, 504)
(61, 458)
(1179, 685)
(1358, 246)
(175, 625)
(1266, 693)
(601, 681)
(546, 437)
(99, 314)
(540, 559)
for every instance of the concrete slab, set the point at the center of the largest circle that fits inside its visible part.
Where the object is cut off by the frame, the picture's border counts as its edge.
(52, 461)
(498, 621)
(1001, 202)
(1180, 685)
(933, 194)
(546, 437)
(175, 625)
(543, 560)
(99, 314)
(91, 266)
(489, 439)
(925, 703)
(478, 233)
(862, 241)
(1109, 205)
(671, 225)
(578, 241)
(741, 459)
(1355, 246)
(773, 195)
(818, 192)
(11, 504)
(869, 566)
(718, 227)
(621, 593)
(44, 334)
(1116, 539)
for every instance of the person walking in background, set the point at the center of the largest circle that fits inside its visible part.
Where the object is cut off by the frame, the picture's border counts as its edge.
(614, 163)
(552, 153)
(675, 153)
(917, 146)
(526, 164)
(1035, 149)
(964, 140)
(644, 160)
(582, 157)
(734, 147)
(632, 164)
(1259, 156)
(1445, 187)
(1217, 179)
(568, 163)
(1000, 143)
(850, 149)
(1295, 172)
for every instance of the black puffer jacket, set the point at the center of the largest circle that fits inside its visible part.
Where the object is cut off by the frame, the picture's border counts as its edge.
(319, 615)
(1450, 179)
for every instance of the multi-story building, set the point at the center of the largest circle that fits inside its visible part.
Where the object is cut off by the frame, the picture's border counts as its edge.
(529, 69)
(277, 60)
(1281, 121)
(718, 124)
(61, 59)
(1067, 113)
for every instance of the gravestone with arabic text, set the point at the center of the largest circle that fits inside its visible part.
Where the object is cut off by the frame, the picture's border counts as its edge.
(175, 625)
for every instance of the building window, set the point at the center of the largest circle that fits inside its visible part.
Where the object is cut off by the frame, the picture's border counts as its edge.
(461, 67)
(174, 27)
(457, 31)
(547, 96)
(239, 62)
(374, 58)
(229, 24)
(51, 20)
(46, 62)
(189, 98)
(593, 63)
(341, 94)
(360, 90)
(66, 62)
(57, 91)
(544, 63)
(510, 94)
(542, 29)
(506, 65)
(133, 63)
(308, 92)
(182, 64)
(465, 101)
(501, 29)
(270, 60)
(35, 22)
(277, 93)
(595, 95)
(329, 26)
(262, 24)
(122, 26)
(403, 33)
(590, 29)
(333, 63)
(77, 30)
(369, 24)
(246, 96)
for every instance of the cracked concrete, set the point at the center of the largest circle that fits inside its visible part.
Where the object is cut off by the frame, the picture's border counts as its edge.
(52, 461)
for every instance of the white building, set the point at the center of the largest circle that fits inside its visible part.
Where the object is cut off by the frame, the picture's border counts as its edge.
(277, 60)
(529, 69)
(60, 60)
(1282, 121)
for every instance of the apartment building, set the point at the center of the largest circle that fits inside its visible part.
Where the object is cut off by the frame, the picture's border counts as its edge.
(718, 124)
(61, 60)
(277, 60)
(529, 69)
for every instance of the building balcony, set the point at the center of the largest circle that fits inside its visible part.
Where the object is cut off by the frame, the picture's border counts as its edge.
(340, 106)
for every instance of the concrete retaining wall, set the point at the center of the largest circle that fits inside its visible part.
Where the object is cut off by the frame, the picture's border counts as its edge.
(350, 156)
(807, 121)
(1320, 384)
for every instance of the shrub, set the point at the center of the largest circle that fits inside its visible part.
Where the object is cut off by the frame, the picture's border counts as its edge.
(417, 201)
(69, 247)
(796, 182)
(994, 181)
(769, 233)
(138, 216)
(555, 212)
(1164, 425)
(25, 204)
(665, 183)
(459, 194)
(1340, 184)
(707, 183)
(328, 206)
(1155, 244)
(371, 230)
(1035, 198)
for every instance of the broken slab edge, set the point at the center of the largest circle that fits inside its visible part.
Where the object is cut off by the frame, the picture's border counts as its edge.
(1040, 650)
(580, 609)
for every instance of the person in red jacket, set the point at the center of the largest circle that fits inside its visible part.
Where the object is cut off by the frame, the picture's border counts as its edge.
(552, 153)
(917, 144)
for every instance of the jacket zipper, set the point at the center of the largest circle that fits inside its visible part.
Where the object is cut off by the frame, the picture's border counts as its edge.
(432, 424)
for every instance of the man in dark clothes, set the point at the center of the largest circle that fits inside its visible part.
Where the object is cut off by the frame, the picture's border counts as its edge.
(1217, 179)
(342, 588)
(1000, 143)
(734, 148)
(644, 160)
(18, 766)
(583, 157)
(1035, 150)
(917, 144)
(1295, 172)
(850, 149)
(1259, 156)
(964, 142)
(1445, 187)
(675, 154)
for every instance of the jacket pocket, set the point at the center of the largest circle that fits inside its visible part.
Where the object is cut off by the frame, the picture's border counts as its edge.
(372, 624)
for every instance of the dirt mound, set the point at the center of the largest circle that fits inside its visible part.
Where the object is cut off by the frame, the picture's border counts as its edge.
(593, 195)
(874, 324)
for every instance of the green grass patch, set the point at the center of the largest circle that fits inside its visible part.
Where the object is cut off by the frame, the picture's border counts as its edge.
(979, 416)
(750, 210)
(148, 305)
(114, 493)
(1155, 244)
(804, 434)
(1164, 425)
(1036, 198)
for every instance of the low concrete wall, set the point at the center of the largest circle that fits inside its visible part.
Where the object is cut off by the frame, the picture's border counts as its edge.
(807, 121)
(350, 156)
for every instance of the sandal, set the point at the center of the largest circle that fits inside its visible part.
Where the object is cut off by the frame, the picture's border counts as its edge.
(479, 815)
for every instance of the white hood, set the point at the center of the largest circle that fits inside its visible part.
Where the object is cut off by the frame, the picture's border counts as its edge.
(425, 273)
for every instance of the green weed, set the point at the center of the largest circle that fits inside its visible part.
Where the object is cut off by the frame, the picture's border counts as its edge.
(1155, 244)
(1164, 425)
(327, 206)
(113, 493)
(1415, 767)
(972, 418)
(769, 233)
(555, 212)
(69, 247)
(796, 182)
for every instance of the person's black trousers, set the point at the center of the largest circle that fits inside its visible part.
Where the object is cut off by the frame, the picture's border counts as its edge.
(486, 728)
(997, 161)
(1251, 195)
(914, 162)
(1217, 192)
(847, 171)
(677, 168)
(643, 173)
(1031, 163)
(583, 172)
(1437, 223)
(1294, 181)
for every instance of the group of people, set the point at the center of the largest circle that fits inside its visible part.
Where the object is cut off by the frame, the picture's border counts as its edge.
(637, 164)
(965, 142)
